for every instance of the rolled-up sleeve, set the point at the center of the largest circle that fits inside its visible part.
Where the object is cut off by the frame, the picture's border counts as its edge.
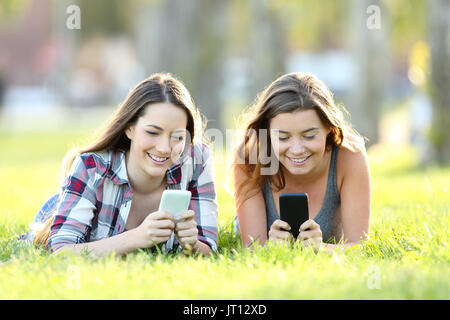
(203, 201)
(76, 208)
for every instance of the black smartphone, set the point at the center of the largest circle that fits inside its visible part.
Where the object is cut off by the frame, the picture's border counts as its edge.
(294, 210)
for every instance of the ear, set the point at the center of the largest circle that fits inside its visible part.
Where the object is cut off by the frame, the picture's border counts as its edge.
(130, 132)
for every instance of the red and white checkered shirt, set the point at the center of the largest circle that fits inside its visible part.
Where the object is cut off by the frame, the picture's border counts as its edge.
(95, 198)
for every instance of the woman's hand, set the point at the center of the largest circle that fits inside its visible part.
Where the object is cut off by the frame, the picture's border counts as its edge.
(279, 231)
(156, 228)
(310, 234)
(186, 230)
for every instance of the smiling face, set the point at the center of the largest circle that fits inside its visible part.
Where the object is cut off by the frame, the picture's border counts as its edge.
(299, 140)
(157, 139)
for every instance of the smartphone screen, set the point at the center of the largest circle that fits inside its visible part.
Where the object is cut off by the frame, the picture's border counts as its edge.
(294, 210)
(175, 201)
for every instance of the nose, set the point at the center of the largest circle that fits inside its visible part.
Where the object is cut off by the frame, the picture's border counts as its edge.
(297, 147)
(163, 146)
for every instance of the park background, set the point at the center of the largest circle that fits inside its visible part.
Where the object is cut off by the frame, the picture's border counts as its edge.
(65, 65)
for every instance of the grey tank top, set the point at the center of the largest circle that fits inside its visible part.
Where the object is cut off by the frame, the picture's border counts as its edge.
(328, 217)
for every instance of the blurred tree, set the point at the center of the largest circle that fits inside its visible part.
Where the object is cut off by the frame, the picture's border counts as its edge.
(106, 17)
(67, 41)
(369, 32)
(11, 10)
(439, 39)
(186, 38)
(267, 44)
(408, 24)
(315, 25)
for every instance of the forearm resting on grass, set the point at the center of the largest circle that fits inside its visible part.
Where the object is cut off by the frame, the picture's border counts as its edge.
(120, 244)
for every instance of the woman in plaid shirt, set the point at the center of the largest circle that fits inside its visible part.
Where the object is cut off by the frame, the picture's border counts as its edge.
(111, 192)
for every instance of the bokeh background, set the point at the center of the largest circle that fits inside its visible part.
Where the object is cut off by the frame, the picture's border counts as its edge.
(65, 65)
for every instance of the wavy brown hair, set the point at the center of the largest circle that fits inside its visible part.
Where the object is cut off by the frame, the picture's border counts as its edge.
(290, 92)
(160, 87)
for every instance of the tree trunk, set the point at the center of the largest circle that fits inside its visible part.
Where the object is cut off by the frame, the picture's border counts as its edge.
(187, 38)
(369, 34)
(267, 47)
(439, 22)
(67, 41)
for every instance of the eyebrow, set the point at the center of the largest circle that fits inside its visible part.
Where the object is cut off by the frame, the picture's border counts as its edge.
(161, 129)
(154, 126)
(304, 131)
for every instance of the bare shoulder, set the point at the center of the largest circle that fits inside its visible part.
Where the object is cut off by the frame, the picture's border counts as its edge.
(348, 157)
(244, 186)
(352, 151)
(239, 174)
(352, 162)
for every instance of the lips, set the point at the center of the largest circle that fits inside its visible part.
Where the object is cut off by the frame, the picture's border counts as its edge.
(298, 161)
(157, 160)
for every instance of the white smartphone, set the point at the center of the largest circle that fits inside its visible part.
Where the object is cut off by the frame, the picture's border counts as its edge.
(175, 201)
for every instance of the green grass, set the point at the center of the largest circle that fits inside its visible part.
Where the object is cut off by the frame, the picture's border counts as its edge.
(406, 256)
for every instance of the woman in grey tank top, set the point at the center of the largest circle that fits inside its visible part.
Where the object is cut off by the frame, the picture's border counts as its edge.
(298, 141)
(327, 218)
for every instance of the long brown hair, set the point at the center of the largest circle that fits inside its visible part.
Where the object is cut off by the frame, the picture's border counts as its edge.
(288, 93)
(160, 87)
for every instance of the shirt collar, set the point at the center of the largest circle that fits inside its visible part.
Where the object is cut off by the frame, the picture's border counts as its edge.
(118, 169)
(173, 174)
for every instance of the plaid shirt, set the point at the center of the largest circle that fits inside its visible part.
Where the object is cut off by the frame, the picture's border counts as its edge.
(95, 198)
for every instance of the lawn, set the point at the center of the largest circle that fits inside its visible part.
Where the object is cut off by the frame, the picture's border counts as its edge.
(406, 256)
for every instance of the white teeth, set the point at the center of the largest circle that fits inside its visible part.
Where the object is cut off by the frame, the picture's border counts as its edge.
(298, 160)
(157, 158)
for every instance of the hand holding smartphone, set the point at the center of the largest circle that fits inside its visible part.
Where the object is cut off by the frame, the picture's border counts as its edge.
(294, 210)
(175, 202)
